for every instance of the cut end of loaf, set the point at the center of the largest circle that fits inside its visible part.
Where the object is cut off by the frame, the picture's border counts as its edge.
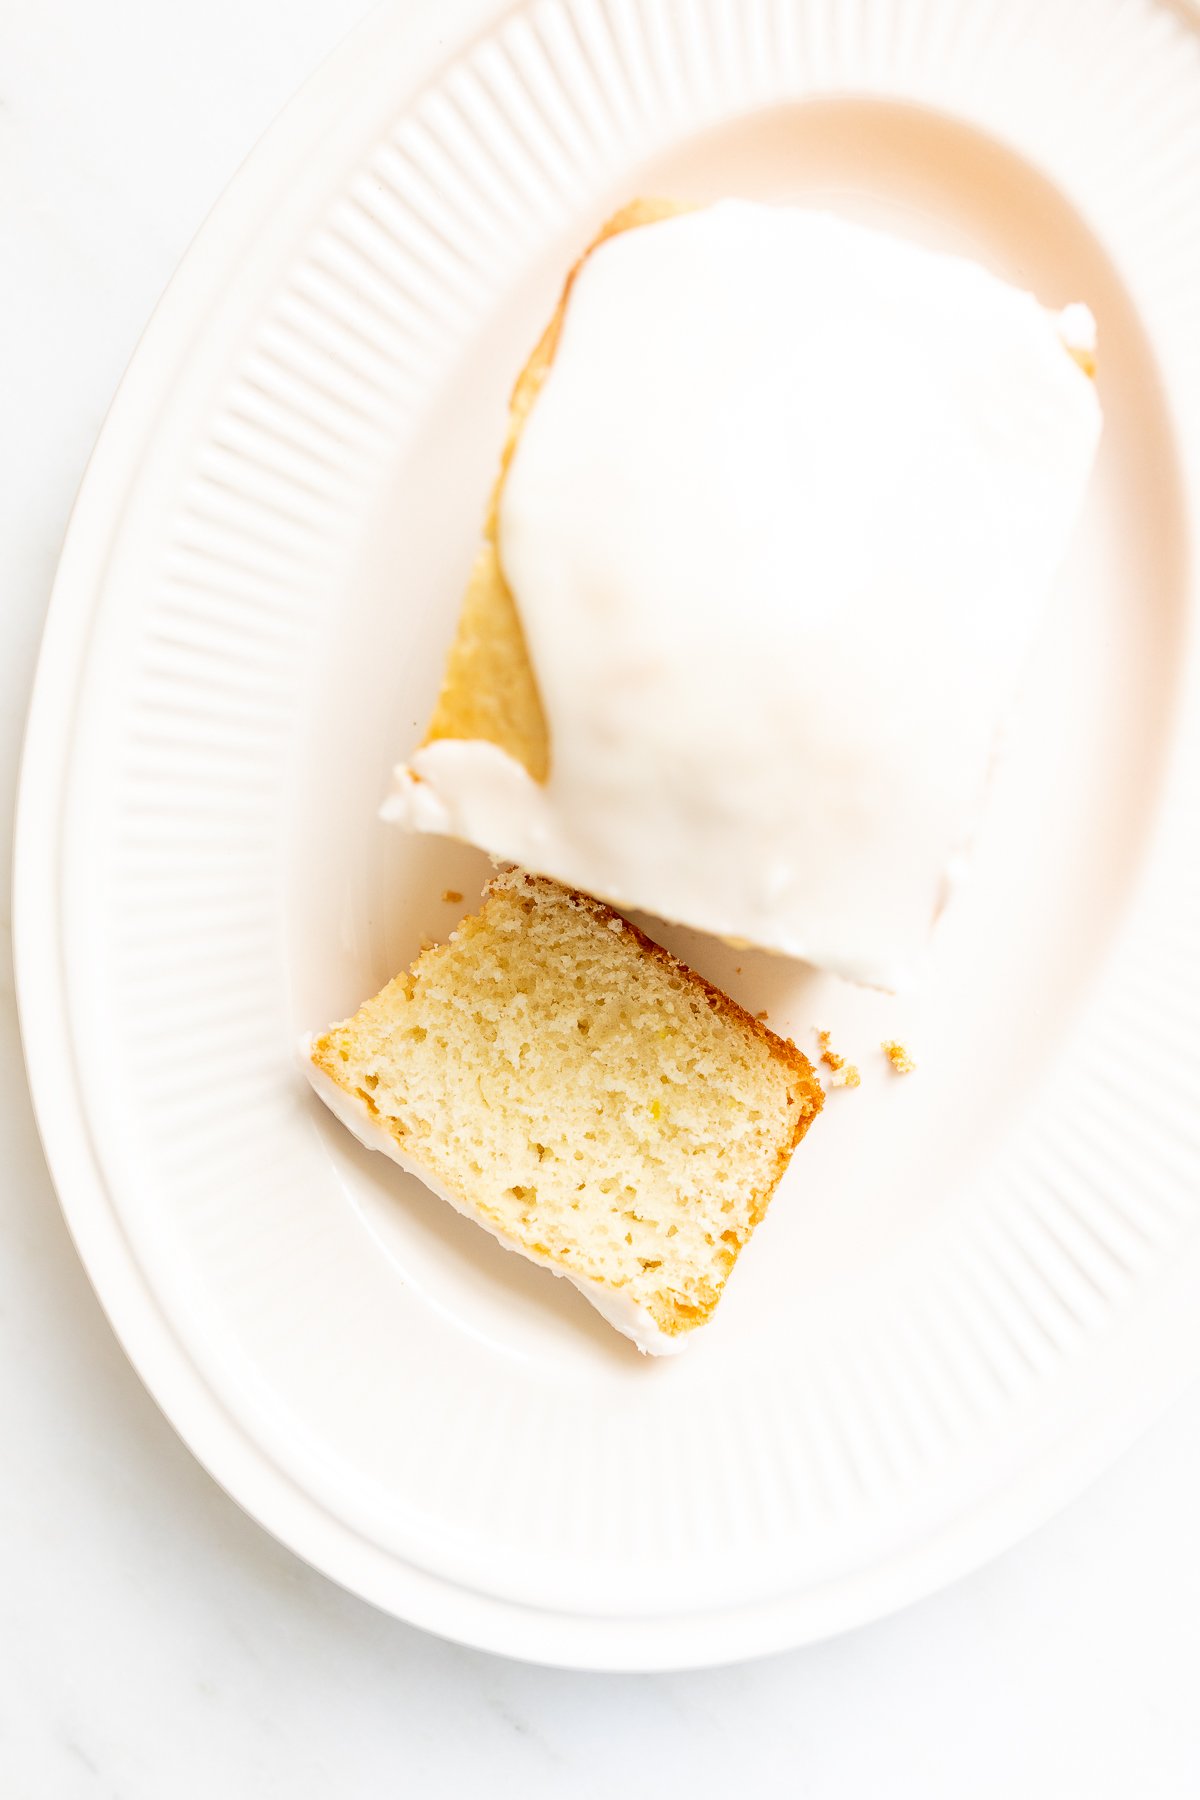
(587, 1098)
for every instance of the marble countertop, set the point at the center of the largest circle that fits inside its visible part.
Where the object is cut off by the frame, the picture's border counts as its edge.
(153, 1641)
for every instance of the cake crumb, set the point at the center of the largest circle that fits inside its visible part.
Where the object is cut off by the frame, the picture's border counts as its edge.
(427, 943)
(762, 1015)
(845, 1075)
(452, 897)
(898, 1056)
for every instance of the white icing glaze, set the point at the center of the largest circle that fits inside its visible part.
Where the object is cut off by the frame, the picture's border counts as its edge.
(780, 529)
(632, 1320)
(1077, 328)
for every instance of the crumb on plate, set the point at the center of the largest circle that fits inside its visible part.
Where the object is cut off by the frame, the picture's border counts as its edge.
(845, 1075)
(898, 1056)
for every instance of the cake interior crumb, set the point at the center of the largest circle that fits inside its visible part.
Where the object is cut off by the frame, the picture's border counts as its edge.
(898, 1056)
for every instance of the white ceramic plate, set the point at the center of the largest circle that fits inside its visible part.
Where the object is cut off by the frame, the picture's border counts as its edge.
(976, 1284)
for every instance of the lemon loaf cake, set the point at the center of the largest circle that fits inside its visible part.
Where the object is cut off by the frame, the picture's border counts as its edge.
(780, 505)
(583, 1095)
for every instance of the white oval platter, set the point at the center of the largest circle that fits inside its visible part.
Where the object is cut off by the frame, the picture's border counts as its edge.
(977, 1283)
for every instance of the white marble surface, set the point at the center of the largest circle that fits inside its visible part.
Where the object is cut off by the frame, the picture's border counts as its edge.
(154, 1643)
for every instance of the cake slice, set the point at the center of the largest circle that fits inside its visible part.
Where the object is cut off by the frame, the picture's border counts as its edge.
(584, 1096)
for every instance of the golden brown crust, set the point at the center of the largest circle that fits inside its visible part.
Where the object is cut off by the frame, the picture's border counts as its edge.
(489, 689)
